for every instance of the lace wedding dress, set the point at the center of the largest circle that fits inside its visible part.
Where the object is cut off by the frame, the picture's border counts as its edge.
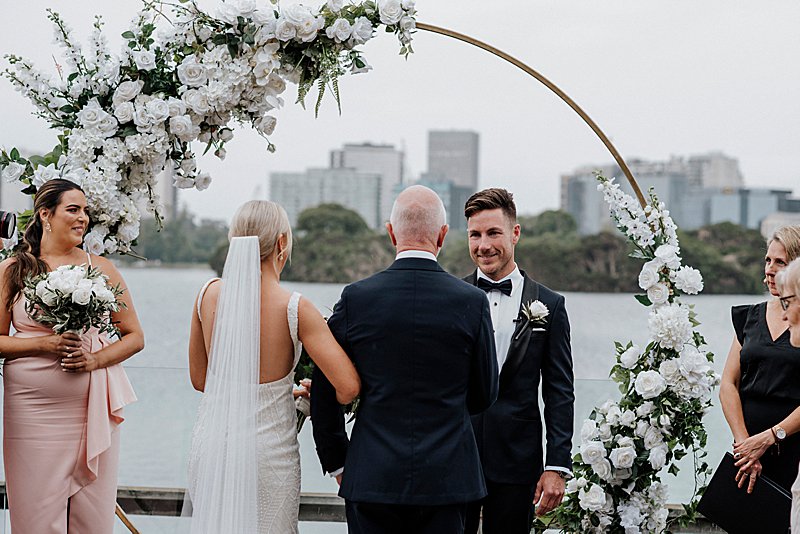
(244, 472)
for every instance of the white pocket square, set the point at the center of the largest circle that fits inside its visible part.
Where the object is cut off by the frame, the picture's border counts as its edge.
(538, 330)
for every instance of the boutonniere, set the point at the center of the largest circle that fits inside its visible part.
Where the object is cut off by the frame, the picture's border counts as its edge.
(535, 314)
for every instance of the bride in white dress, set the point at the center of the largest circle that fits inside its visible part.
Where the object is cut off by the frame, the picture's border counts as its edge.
(246, 335)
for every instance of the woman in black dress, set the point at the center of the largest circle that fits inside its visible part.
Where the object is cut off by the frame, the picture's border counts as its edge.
(760, 389)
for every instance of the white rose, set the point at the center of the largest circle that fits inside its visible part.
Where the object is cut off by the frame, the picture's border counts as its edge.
(658, 293)
(245, 7)
(628, 418)
(648, 277)
(42, 174)
(593, 499)
(670, 370)
(124, 112)
(307, 32)
(624, 441)
(360, 66)
(362, 30)
(91, 114)
(668, 254)
(285, 30)
(603, 469)
(408, 5)
(158, 110)
(391, 11)
(183, 128)
(646, 408)
(623, 457)
(693, 363)
(408, 23)
(221, 153)
(144, 59)
(44, 293)
(127, 91)
(664, 421)
(589, 430)
(176, 106)
(13, 171)
(604, 431)
(340, 30)
(652, 437)
(592, 451)
(613, 415)
(189, 165)
(650, 384)
(82, 296)
(641, 428)
(630, 357)
(225, 135)
(688, 280)
(228, 12)
(196, 101)
(107, 126)
(297, 14)
(192, 73)
(202, 181)
(658, 457)
(183, 182)
(335, 5)
(266, 124)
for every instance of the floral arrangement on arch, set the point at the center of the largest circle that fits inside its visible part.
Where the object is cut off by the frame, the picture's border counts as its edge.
(666, 389)
(183, 76)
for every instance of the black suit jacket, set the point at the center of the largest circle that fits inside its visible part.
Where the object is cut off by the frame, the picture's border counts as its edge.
(509, 433)
(422, 342)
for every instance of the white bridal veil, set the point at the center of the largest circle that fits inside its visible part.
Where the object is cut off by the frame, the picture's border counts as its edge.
(223, 473)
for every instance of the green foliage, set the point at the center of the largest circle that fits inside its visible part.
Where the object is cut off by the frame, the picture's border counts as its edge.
(182, 239)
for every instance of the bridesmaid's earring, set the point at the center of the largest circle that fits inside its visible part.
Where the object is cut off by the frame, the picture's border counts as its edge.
(48, 227)
(280, 256)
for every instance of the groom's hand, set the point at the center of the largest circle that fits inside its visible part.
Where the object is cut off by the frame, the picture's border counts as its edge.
(339, 479)
(549, 492)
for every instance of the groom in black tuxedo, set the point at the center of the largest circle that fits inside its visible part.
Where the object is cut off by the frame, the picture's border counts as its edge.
(421, 340)
(531, 333)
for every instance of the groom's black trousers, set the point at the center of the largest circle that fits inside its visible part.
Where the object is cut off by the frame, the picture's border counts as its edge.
(375, 518)
(507, 509)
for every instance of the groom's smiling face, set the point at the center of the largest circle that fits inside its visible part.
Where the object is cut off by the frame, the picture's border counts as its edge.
(492, 237)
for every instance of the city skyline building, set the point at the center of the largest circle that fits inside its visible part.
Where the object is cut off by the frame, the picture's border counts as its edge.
(358, 191)
(384, 160)
(453, 155)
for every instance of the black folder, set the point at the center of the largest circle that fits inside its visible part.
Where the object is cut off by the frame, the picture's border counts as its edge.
(765, 511)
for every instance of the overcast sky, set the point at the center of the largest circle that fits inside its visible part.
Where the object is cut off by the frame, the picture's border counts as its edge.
(661, 78)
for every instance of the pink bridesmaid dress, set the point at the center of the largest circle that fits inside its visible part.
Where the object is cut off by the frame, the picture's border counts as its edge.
(60, 438)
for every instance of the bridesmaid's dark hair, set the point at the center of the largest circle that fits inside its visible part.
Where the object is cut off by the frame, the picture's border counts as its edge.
(28, 263)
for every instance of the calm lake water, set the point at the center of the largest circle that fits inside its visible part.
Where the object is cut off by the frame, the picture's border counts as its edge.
(156, 433)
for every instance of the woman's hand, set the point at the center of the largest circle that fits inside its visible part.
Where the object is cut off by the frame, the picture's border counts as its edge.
(304, 390)
(751, 449)
(61, 345)
(80, 361)
(749, 476)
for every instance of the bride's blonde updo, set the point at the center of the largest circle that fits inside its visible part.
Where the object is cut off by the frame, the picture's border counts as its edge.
(267, 221)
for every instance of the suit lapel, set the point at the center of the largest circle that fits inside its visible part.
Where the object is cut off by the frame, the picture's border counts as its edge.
(522, 334)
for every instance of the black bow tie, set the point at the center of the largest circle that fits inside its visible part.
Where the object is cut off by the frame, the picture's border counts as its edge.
(504, 287)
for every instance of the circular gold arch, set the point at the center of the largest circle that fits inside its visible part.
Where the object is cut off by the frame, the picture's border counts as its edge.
(550, 85)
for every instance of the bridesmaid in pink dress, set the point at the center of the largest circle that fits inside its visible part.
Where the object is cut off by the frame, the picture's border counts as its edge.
(63, 394)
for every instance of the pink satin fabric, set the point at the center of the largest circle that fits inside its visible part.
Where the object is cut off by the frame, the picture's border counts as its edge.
(60, 438)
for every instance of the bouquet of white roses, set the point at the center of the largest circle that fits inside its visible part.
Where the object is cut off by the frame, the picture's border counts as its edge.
(73, 298)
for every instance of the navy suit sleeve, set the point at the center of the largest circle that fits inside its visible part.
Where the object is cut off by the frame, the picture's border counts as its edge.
(558, 390)
(483, 381)
(327, 419)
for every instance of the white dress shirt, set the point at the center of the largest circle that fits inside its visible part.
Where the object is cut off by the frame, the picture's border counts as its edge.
(505, 310)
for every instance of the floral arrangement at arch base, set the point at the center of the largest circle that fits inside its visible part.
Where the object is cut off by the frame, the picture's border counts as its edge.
(666, 389)
(183, 76)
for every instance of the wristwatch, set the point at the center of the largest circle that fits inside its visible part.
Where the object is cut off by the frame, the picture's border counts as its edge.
(779, 433)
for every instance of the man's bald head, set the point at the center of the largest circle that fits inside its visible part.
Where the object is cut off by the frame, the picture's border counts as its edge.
(418, 218)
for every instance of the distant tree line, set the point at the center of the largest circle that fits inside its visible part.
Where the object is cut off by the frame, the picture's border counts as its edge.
(333, 244)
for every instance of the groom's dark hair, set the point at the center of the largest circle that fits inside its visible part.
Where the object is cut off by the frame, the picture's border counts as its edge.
(492, 199)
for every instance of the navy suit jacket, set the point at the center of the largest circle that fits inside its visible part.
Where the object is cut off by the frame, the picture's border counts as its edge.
(509, 433)
(422, 342)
